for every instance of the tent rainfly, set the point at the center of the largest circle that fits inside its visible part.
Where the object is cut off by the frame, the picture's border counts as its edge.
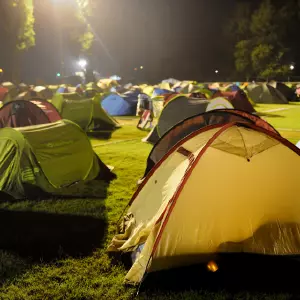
(87, 113)
(47, 157)
(197, 122)
(21, 113)
(198, 201)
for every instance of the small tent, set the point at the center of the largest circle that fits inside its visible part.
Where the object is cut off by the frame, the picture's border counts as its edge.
(21, 113)
(233, 87)
(3, 93)
(12, 91)
(23, 87)
(121, 105)
(47, 157)
(288, 92)
(115, 105)
(200, 200)
(27, 95)
(72, 96)
(191, 124)
(87, 113)
(264, 93)
(238, 99)
(159, 92)
(43, 92)
(175, 110)
(63, 89)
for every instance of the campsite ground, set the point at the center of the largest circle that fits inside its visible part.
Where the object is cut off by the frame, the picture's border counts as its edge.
(55, 249)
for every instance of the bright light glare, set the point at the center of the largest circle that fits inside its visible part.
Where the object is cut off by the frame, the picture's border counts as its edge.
(141, 67)
(217, 71)
(82, 63)
(292, 67)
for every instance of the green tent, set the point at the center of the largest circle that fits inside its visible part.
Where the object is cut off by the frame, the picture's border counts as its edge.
(265, 93)
(87, 113)
(47, 157)
(71, 96)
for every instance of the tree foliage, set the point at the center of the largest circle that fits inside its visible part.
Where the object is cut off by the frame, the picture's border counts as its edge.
(17, 25)
(83, 34)
(17, 21)
(259, 36)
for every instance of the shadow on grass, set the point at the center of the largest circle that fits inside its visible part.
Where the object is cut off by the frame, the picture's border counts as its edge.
(44, 236)
(95, 189)
(237, 273)
(264, 114)
(100, 135)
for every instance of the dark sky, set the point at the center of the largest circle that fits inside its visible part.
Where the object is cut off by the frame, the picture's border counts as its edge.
(170, 38)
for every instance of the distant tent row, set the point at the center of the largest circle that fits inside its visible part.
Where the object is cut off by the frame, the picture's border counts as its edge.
(30, 110)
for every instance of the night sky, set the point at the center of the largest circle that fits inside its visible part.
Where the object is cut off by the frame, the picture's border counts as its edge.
(181, 39)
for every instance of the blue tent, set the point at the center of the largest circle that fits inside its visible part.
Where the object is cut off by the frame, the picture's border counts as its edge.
(158, 92)
(233, 88)
(120, 105)
(62, 90)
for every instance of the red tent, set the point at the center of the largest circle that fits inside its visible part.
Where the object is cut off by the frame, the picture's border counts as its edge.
(3, 92)
(238, 99)
(22, 113)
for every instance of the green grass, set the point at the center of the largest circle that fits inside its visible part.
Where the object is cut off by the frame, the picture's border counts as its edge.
(287, 121)
(93, 275)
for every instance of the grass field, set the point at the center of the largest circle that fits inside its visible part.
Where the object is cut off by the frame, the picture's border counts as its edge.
(55, 248)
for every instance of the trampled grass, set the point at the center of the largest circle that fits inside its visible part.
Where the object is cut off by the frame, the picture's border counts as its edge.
(55, 248)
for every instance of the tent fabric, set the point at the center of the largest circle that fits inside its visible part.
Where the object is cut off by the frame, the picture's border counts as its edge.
(87, 113)
(115, 105)
(43, 92)
(27, 95)
(62, 90)
(12, 92)
(232, 88)
(286, 91)
(23, 87)
(264, 93)
(176, 110)
(238, 99)
(121, 105)
(3, 93)
(191, 124)
(48, 157)
(71, 96)
(219, 103)
(159, 92)
(21, 113)
(198, 201)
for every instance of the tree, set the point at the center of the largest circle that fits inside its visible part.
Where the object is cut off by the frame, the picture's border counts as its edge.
(17, 23)
(259, 33)
(78, 27)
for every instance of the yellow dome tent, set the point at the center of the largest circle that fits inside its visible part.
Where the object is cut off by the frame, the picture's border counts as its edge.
(231, 188)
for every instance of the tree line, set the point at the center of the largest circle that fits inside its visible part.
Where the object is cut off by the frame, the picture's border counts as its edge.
(263, 37)
(259, 39)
